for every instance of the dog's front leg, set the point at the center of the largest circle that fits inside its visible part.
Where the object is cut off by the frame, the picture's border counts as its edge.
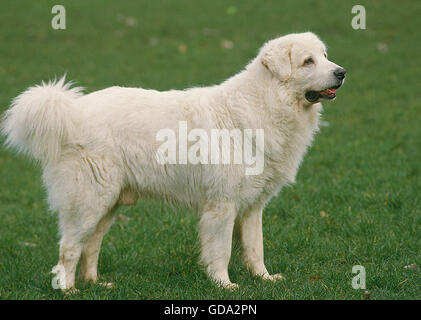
(252, 243)
(215, 231)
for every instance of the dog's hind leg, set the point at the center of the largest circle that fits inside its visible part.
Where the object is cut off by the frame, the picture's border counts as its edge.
(85, 200)
(76, 229)
(71, 245)
(90, 252)
(85, 214)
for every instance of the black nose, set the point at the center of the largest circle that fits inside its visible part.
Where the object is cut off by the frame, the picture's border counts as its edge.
(340, 73)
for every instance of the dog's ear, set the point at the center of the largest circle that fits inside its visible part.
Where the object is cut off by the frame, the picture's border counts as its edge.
(276, 57)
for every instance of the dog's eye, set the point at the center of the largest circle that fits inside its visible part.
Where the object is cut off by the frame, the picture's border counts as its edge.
(308, 61)
(325, 54)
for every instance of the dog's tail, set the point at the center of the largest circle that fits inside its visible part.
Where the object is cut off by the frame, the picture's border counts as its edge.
(41, 119)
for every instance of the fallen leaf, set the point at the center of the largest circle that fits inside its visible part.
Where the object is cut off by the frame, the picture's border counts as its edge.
(29, 244)
(153, 41)
(182, 48)
(227, 44)
(130, 21)
(382, 47)
(366, 295)
(123, 218)
(412, 266)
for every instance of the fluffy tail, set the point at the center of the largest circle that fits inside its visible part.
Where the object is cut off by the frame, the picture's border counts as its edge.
(41, 120)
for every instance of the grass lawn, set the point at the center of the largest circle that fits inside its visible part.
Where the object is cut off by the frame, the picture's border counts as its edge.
(357, 197)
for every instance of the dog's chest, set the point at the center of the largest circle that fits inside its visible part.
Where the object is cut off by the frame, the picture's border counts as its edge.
(285, 147)
(296, 135)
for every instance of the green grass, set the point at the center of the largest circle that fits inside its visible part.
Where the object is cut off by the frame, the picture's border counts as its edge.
(363, 170)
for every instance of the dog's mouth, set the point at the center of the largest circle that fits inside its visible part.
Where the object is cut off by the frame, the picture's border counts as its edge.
(329, 93)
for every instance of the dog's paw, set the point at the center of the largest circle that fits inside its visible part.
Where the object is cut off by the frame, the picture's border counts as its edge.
(59, 279)
(227, 285)
(273, 277)
(70, 291)
(108, 285)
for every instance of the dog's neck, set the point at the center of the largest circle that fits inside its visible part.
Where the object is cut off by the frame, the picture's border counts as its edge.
(256, 88)
(258, 101)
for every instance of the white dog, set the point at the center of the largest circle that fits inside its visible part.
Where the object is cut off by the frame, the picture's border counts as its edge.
(98, 151)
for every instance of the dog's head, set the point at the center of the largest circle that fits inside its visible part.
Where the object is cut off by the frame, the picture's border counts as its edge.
(300, 61)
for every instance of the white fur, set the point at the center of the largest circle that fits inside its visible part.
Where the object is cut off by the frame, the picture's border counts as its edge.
(98, 152)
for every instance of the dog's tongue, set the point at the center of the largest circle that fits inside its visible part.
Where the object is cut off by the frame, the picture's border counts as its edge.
(329, 92)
